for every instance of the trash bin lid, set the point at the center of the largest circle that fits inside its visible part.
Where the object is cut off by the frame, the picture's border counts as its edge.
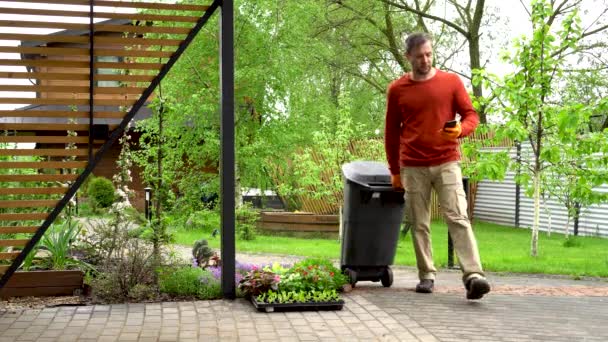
(366, 172)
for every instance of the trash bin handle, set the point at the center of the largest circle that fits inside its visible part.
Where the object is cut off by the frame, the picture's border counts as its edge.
(373, 188)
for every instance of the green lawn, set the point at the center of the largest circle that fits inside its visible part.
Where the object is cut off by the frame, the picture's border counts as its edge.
(502, 249)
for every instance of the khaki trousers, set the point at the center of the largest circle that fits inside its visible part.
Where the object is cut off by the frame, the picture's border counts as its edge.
(446, 179)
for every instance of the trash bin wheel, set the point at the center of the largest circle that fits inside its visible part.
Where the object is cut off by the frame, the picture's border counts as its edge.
(352, 275)
(387, 277)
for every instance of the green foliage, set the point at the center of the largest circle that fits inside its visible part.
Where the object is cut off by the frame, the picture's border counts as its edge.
(58, 241)
(189, 282)
(101, 192)
(313, 274)
(315, 171)
(203, 220)
(566, 161)
(258, 281)
(246, 220)
(285, 297)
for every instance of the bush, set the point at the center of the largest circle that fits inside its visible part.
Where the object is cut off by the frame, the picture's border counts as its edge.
(101, 192)
(189, 282)
(246, 220)
(205, 220)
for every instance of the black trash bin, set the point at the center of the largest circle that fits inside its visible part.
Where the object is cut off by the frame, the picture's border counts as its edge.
(371, 219)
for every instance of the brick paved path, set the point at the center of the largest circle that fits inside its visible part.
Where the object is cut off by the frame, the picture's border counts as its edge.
(371, 313)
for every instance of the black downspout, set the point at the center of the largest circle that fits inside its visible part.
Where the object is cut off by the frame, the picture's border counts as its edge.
(227, 156)
(91, 78)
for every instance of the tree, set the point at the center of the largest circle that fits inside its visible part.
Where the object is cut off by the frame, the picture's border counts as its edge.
(528, 101)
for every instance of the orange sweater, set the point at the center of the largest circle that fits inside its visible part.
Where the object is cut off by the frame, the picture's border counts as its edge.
(415, 114)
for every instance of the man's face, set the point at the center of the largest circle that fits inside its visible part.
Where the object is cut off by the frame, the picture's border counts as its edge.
(421, 59)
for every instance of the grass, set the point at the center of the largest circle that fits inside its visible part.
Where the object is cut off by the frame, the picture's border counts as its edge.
(502, 249)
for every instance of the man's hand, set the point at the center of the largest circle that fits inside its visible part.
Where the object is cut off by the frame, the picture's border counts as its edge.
(452, 133)
(396, 182)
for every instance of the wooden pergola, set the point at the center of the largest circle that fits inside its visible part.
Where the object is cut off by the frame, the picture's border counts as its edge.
(92, 77)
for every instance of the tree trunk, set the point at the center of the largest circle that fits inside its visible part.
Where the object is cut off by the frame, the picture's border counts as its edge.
(475, 65)
(536, 222)
(548, 212)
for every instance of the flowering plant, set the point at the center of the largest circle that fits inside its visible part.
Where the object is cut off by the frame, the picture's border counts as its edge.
(313, 274)
(308, 280)
(258, 281)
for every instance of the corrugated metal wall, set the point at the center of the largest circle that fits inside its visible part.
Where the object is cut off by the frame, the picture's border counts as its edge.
(495, 202)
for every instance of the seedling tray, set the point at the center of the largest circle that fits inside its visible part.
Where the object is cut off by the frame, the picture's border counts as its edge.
(298, 306)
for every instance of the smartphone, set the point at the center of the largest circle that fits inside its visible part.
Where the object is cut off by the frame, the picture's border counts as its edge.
(449, 124)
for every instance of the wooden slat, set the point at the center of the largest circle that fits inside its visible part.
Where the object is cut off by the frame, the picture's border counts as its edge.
(28, 204)
(125, 4)
(75, 77)
(42, 165)
(46, 291)
(18, 229)
(45, 165)
(80, 64)
(23, 217)
(45, 278)
(13, 242)
(307, 218)
(56, 51)
(58, 38)
(61, 152)
(47, 127)
(67, 102)
(39, 178)
(301, 227)
(46, 140)
(33, 191)
(58, 114)
(140, 29)
(4, 268)
(9, 255)
(98, 27)
(100, 14)
(73, 89)
(138, 41)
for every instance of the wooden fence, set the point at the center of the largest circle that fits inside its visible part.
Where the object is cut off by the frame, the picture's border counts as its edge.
(330, 204)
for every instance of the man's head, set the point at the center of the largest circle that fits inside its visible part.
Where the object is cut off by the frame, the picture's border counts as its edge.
(419, 52)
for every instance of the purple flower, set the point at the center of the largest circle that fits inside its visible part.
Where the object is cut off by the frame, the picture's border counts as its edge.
(216, 271)
(194, 262)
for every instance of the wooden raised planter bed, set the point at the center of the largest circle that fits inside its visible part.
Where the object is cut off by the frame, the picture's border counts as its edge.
(43, 283)
(298, 222)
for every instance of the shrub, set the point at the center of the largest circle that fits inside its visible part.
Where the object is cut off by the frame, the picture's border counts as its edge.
(205, 220)
(246, 220)
(189, 282)
(101, 192)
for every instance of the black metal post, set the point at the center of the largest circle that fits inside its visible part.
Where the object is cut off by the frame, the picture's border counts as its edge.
(465, 185)
(91, 78)
(227, 156)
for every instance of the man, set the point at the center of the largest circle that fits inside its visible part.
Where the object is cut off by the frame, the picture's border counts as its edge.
(423, 154)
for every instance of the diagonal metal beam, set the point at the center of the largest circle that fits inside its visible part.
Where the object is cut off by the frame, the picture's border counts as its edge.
(106, 146)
